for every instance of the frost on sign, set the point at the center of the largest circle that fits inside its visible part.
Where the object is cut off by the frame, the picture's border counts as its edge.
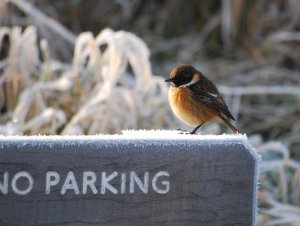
(142, 178)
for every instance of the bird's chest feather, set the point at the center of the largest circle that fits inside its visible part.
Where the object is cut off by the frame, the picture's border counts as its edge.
(184, 107)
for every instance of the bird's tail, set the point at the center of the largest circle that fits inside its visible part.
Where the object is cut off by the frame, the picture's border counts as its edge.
(228, 124)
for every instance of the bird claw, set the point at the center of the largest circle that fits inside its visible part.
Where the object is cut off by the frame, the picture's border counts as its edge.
(186, 132)
(182, 131)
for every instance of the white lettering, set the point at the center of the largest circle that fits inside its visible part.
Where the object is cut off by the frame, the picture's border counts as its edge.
(52, 179)
(4, 185)
(116, 182)
(165, 183)
(16, 178)
(70, 184)
(135, 179)
(105, 183)
(89, 179)
(123, 183)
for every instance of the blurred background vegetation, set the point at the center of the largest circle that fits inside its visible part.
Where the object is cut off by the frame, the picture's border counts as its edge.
(63, 72)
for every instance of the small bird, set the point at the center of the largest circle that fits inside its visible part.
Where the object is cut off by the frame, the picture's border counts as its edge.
(195, 100)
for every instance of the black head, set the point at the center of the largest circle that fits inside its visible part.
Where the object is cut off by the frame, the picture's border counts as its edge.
(183, 74)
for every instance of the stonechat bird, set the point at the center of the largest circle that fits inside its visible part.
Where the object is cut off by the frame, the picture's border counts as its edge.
(195, 100)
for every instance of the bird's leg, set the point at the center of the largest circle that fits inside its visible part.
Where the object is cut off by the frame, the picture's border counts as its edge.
(197, 127)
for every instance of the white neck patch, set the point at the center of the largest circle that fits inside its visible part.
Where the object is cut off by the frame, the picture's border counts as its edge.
(195, 79)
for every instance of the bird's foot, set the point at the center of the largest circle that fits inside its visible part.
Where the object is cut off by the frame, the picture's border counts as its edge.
(182, 131)
(186, 132)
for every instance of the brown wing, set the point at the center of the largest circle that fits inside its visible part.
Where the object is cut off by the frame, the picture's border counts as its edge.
(206, 92)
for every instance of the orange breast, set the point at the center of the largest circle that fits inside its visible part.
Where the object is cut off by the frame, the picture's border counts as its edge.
(187, 109)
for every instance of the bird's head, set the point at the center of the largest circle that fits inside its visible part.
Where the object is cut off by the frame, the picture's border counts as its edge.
(183, 75)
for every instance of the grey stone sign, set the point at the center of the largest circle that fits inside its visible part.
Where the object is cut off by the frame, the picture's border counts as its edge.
(127, 180)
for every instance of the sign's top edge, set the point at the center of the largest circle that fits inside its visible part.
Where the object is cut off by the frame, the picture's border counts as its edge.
(131, 135)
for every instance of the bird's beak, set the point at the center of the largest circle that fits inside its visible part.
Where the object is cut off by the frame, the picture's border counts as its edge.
(169, 80)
